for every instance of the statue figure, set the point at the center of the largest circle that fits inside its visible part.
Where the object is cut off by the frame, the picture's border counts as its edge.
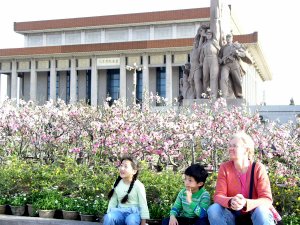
(186, 88)
(196, 73)
(209, 61)
(231, 67)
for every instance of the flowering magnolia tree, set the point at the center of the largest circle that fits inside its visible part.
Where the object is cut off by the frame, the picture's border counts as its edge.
(170, 136)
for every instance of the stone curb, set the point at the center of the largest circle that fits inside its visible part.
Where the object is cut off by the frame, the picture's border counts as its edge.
(23, 220)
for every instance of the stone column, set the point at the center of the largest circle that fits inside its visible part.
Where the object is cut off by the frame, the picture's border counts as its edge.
(146, 82)
(14, 78)
(33, 80)
(73, 82)
(122, 90)
(52, 80)
(1, 97)
(169, 80)
(94, 82)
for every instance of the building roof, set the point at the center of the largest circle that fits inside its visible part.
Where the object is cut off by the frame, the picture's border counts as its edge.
(146, 18)
(113, 20)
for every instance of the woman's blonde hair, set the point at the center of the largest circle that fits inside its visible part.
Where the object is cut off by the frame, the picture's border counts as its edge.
(247, 140)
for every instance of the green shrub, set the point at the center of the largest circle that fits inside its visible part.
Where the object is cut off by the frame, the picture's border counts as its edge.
(100, 204)
(49, 199)
(292, 219)
(3, 199)
(70, 204)
(93, 206)
(86, 207)
(286, 198)
(91, 182)
(161, 189)
(19, 199)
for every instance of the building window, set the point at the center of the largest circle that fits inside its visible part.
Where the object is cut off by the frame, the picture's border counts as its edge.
(92, 36)
(139, 86)
(77, 86)
(116, 35)
(88, 86)
(68, 82)
(113, 84)
(73, 38)
(35, 40)
(140, 33)
(163, 32)
(185, 30)
(53, 39)
(180, 79)
(161, 81)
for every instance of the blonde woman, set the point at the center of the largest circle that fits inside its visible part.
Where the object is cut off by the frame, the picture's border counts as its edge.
(231, 199)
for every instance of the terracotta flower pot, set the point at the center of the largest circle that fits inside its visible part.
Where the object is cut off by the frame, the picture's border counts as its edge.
(17, 210)
(70, 215)
(46, 213)
(30, 210)
(2, 209)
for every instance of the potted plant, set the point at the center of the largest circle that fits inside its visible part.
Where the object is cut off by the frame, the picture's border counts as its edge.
(100, 204)
(87, 209)
(33, 196)
(70, 207)
(48, 201)
(3, 202)
(17, 203)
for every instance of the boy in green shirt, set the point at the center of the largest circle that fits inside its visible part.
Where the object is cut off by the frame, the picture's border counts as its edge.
(190, 207)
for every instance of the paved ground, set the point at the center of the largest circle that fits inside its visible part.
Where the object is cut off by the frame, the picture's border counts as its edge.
(24, 220)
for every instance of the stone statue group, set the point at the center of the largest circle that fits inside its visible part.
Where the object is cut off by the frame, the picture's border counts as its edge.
(215, 70)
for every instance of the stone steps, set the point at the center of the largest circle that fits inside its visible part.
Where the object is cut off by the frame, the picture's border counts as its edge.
(24, 220)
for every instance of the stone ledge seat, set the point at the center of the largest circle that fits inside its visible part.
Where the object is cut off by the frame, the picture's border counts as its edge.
(24, 220)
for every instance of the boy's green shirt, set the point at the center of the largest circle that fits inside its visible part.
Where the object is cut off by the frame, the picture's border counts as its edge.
(197, 208)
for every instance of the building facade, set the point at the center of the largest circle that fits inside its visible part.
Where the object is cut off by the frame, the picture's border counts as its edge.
(85, 59)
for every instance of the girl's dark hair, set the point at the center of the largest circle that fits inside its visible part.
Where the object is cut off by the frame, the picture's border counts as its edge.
(134, 165)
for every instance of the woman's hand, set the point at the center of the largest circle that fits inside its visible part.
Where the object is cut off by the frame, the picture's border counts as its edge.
(238, 202)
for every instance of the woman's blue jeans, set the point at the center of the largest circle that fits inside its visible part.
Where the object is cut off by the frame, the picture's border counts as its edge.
(122, 216)
(218, 215)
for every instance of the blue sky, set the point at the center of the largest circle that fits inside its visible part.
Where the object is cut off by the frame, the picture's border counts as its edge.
(275, 21)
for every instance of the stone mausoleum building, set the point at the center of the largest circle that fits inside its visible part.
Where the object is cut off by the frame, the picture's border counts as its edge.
(85, 59)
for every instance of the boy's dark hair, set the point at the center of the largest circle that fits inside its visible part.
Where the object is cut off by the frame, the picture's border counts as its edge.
(197, 172)
(134, 165)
